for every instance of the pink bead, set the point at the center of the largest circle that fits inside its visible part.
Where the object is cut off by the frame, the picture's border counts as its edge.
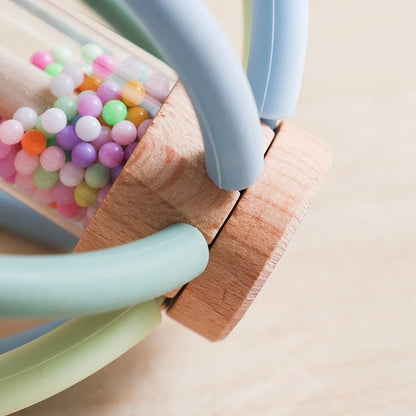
(24, 163)
(157, 85)
(7, 167)
(52, 158)
(103, 138)
(25, 183)
(63, 195)
(90, 105)
(141, 130)
(11, 131)
(71, 175)
(44, 196)
(124, 132)
(4, 150)
(103, 66)
(102, 193)
(70, 210)
(111, 155)
(41, 59)
(11, 179)
(108, 91)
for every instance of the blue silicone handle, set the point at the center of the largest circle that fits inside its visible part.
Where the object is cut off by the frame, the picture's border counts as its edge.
(194, 44)
(277, 55)
(99, 281)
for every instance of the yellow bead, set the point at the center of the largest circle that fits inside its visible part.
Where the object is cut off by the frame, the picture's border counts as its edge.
(85, 196)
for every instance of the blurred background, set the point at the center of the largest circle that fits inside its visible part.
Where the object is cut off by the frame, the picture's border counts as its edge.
(333, 331)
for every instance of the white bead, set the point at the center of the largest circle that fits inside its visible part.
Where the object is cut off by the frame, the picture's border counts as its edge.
(88, 128)
(75, 71)
(62, 85)
(71, 174)
(27, 117)
(53, 120)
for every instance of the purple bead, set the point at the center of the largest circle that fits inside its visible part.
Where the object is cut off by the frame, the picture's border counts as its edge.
(67, 138)
(115, 172)
(83, 155)
(111, 154)
(108, 91)
(128, 151)
(102, 193)
(90, 105)
(144, 125)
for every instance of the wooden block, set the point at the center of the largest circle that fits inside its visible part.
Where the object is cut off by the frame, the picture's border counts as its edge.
(164, 182)
(256, 234)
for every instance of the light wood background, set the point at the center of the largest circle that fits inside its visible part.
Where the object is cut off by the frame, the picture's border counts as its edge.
(334, 330)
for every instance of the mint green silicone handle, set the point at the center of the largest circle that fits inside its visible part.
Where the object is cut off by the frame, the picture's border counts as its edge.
(100, 281)
(70, 353)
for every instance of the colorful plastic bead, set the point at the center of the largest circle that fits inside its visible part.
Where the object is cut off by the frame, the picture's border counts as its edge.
(128, 151)
(132, 68)
(124, 132)
(114, 111)
(67, 105)
(62, 194)
(54, 69)
(52, 158)
(24, 163)
(44, 196)
(90, 105)
(84, 154)
(111, 154)
(108, 91)
(90, 51)
(76, 72)
(67, 138)
(88, 128)
(24, 182)
(84, 195)
(97, 176)
(157, 85)
(115, 172)
(70, 210)
(103, 137)
(7, 168)
(143, 127)
(62, 54)
(62, 85)
(90, 83)
(53, 120)
(137, 115)
(4, 149)
(11, 131)
(38, 126)
(102, 193)
(103, 66)
(41, 59)
(71, 174)
(44, 179)
(27, 117)
(133, 93)
(33, 142)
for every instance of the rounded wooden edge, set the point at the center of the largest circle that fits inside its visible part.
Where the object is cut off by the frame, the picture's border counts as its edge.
(256, 234)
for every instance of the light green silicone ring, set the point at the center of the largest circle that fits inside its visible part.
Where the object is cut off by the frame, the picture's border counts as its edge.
(101, 281)
(70, 353)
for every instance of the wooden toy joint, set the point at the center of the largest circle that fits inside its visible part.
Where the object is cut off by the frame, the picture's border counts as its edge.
(165, 182)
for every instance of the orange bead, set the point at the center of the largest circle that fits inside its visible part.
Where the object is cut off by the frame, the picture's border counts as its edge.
(33, 142)
(133, 93)
(136, 115)
(90, 83)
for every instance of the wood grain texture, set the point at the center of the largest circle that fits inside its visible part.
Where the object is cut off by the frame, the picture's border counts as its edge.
(164, 182)
(255, 236)
(22, 84)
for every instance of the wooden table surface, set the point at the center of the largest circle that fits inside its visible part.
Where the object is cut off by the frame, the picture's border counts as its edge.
(334, 330)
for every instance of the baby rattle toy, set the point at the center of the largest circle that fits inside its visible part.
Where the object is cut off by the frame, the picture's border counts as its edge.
(182, 198)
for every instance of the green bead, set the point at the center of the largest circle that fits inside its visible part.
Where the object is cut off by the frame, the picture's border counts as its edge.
(90, 51)
(38, 126)
(51, 141)
(97, 176)
(44, 179)
(62, 54)
(114, 111)
(68, 106)
(54, 69)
